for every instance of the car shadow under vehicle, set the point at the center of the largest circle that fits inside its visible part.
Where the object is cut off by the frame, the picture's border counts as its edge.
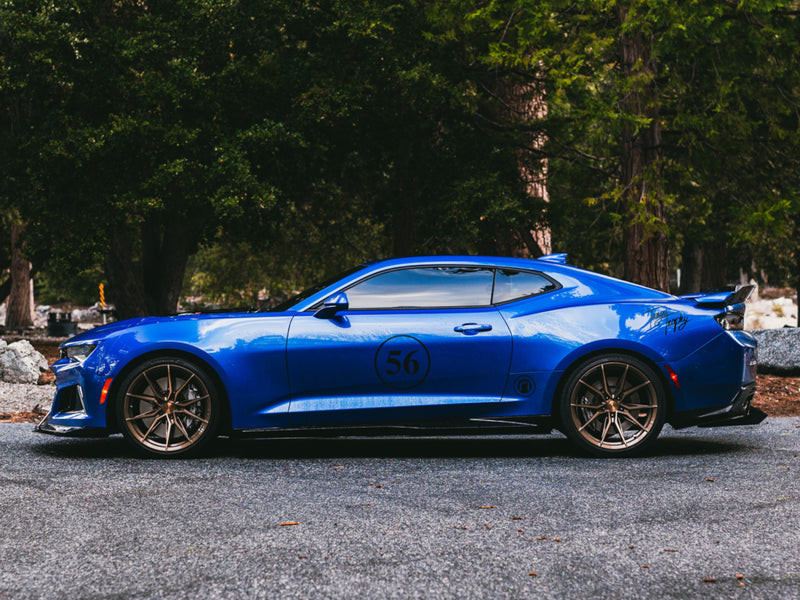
(114, 447)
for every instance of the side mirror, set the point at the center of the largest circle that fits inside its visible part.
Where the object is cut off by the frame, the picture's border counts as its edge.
(333, 305)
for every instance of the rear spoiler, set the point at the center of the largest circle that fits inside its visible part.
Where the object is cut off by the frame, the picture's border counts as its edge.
(722, 299)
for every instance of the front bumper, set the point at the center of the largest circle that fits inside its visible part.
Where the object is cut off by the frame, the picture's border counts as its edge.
(47, 426)
(738, 412)
(74, 412)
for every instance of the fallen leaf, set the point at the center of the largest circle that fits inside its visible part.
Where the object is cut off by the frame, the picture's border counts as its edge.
(339, 467)
(487, 506)
(290, 523)
(669, 550)
(533, 573)
(645, 566)
(711, 479)
(541, 537)
(739, 576)
(556, 539)
(301, 556)
(631, 547)
(710, 580)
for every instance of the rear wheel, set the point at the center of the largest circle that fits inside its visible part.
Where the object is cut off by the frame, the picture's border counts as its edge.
(613, 405)
(168, 407)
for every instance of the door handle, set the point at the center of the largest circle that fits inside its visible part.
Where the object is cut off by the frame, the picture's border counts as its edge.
(472, 328)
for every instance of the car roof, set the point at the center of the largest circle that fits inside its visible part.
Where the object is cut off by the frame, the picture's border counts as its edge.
(552, 265)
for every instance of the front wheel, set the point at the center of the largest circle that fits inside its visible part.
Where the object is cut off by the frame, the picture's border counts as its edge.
(613, 405)
(168, 407)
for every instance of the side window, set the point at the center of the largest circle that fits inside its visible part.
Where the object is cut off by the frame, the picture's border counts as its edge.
(424, 287)
(513, 285)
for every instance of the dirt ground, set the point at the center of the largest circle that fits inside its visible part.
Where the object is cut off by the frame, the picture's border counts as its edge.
(777, 396)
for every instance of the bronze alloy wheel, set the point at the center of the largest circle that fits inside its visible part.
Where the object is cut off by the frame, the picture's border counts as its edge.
(168, 407)
(613, 405)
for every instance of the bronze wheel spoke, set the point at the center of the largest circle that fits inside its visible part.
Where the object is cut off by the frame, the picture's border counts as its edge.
(637, 406)
(149, 399)
(169, 431)
(587, 406)
(192, 415)
(157, 391)
(185, 383)
(631, 418)
(591, 387)
(191, 401)
(155, 422)
(181, 426)
(169, 382)
(605, 379)
(635, 389)
(621, 384)
(606, 427)
(152, 413)
(590, 421)
(619, 430)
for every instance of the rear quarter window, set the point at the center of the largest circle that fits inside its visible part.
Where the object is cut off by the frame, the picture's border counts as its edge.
(511, 284)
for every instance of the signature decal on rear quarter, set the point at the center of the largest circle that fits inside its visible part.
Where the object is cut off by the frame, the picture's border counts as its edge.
(672, 320)
(402, 362)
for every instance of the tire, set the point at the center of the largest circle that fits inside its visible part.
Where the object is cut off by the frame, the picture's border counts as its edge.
(168, 406)
(613, 405)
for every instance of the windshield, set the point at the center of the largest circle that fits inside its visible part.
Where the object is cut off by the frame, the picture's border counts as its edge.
(308, 292)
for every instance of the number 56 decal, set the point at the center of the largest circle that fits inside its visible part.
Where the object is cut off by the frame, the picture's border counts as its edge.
(402, 362)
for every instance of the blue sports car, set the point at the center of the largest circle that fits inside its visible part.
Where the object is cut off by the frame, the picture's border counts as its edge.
(448, 344)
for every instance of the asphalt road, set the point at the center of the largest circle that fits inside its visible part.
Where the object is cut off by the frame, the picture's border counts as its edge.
(403, 518)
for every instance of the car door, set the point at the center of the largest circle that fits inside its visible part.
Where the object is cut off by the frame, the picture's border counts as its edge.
(415, 343)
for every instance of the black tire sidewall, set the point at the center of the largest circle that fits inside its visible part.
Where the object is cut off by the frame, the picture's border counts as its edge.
(568, 427)
(214, 398)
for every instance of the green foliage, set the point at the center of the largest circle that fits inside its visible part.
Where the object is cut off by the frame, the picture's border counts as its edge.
(286, 140)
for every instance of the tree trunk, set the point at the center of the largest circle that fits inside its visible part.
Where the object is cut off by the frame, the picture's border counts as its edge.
(151, 285)
(691, 267)
(124, 278)
(524, 103)
(165, 252)
(715, 267)
(645, 242)
(19, 314)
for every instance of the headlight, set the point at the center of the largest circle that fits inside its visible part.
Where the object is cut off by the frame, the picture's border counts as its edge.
(79, 353)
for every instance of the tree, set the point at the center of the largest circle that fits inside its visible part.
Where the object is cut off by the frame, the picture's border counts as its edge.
(662, 118)
(19, 314)
(132, 143)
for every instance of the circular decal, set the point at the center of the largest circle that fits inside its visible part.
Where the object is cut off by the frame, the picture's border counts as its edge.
(402, 362)
(524, 386)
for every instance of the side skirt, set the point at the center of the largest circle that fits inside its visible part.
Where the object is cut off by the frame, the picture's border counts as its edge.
(482, 426)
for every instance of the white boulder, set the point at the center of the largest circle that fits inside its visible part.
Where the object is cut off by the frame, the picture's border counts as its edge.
(20, 362)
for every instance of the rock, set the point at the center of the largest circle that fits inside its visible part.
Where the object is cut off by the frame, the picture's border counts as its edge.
(778, 350)
(20, 362)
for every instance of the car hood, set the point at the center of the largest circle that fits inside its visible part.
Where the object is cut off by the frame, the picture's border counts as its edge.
(104, 331)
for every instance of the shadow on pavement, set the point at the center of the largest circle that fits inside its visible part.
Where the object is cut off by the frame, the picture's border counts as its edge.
(115, 447)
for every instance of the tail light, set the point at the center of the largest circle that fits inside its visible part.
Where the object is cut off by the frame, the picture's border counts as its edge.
(730, 320)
